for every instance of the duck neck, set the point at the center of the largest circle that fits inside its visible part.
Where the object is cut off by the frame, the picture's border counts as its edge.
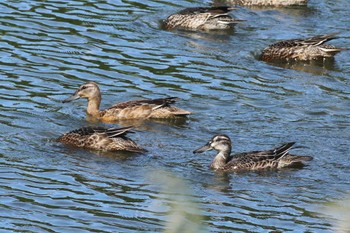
(94, 106)
(221, 159)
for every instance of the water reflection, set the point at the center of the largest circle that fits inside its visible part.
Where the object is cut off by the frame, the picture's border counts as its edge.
(315, 67)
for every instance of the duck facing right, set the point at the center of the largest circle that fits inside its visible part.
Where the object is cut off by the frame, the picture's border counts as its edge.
(201, 18)
(313, 48)
(250, 161)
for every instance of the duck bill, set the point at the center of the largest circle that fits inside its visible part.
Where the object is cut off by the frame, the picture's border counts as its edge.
(73, 97)
(202, 149)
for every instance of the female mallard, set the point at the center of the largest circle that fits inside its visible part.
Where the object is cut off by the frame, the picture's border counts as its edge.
(201, 18)
(301, 49)
(136, 109)
(255, 160)
(265, 2)
(100, 138)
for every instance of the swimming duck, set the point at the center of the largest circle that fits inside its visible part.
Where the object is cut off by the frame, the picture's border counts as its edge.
(201, 18)
(265, 2)
(256, 160)
(136, 109)
(100, 138)
(301, 49)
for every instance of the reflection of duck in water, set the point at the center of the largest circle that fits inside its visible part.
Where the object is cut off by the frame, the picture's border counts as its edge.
(99, 138)
(255, 160)
(136, 109)
(301, 49)
(265, 2)
(201, 18)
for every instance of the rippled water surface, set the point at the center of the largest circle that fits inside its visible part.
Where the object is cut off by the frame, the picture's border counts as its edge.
(49, 48)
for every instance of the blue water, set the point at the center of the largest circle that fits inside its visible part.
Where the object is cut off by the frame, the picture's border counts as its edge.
(49, 48)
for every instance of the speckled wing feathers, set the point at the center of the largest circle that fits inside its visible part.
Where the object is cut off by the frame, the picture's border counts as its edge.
(143, 109)
(155, 102)
(99, 138)
(316, 40)
(258, 159)
(201, 18)
(301, 49)
(200, 10)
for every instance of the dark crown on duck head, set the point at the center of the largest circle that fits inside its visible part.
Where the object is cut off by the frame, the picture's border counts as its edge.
(220, 138)
(214, 143)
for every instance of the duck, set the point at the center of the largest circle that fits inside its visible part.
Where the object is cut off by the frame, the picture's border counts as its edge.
(266, 2)
(201, 18)
(313, 48)
(135, 109)
(276, 158)
(102, 139)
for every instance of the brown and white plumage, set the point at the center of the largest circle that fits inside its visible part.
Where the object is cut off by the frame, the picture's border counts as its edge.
(264, 2)
(201, 18)
(301, 49)
(135, 109)
(255, 160)
(100, 138)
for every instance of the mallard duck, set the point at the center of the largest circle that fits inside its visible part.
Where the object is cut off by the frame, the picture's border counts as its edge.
(255, 160)
(100, 138)
(301, 49)
(201, 18)
(265, 2)
(136, 109)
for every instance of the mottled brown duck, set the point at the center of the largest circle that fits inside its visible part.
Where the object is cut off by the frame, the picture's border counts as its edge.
(100, 138)
(249, 161)
(201, 18)
(313, 48)
(135, 109)
(278, 3)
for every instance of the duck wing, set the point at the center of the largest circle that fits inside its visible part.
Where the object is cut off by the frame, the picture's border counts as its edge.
(155, 103)
(313, 41)
(110, 132)
(258, 159)
(214, 11)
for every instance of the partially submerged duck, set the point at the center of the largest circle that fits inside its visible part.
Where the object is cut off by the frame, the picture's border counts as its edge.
(100, 138)
(265, 2)
(256, 160)
(201, 18)
(135, 109)
(301, 49)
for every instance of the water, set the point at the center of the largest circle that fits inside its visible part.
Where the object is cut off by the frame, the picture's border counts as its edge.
(49, 48)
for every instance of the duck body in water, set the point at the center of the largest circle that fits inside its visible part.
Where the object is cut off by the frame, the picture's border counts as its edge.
(135, 109)
(201, 18)
(100, 138)
(248, 161)
(313, 48)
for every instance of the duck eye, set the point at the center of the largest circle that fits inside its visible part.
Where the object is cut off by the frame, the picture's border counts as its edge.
(83, 87)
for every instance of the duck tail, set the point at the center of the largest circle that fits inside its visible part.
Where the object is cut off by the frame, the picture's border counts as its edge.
(299, 158)
(323, 39)
(118, 132)
(180, 112)
(293, 161)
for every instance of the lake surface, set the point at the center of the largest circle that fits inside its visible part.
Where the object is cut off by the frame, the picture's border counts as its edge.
(49, 48)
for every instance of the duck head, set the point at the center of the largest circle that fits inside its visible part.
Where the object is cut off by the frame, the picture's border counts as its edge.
(220, 142)
(89, 91)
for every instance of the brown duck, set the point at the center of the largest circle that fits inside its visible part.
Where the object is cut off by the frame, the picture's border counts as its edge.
(301, 49)
(255, 160)
(266, 2)
(201, 18)
(135, 109)
(100, 138)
